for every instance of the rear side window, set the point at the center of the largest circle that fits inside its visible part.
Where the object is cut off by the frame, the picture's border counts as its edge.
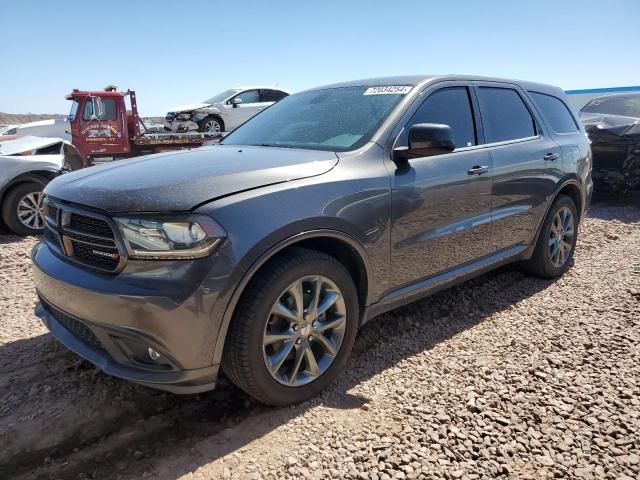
(449, 106)
(272, 95)
(556, 113)
(505, 116)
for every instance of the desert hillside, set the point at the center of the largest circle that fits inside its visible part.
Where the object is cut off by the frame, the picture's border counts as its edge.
(17, 118)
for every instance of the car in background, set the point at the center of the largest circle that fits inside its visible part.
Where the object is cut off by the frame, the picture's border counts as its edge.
(613, 125)
(27, 165)
(264, 254)
(8, 129)
(223, 112)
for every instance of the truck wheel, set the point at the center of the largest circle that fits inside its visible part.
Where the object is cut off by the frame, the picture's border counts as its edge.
(22, 209)
(294, 328)
(72, 163)
(211, 124)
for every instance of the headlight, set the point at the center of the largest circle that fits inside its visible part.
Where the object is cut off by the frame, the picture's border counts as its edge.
(183, 116)
(159, 237)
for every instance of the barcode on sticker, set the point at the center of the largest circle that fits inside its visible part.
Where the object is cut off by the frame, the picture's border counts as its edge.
(388, 90)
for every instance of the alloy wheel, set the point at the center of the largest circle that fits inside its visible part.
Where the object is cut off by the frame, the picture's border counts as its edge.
(561, 237)
(30, 210)
(212, 126)
(304, 331)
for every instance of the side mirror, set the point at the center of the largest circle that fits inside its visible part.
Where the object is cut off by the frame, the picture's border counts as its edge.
(236, 102)
(425, 140)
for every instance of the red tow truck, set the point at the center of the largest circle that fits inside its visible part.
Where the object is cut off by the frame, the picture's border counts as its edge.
(102, 129)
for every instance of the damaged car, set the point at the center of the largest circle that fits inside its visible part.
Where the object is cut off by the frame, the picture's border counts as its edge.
(222, 112)
(613, 125)
(27, 165)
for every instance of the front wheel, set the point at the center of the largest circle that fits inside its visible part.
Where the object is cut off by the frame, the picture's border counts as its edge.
(211, 124)
(557, 240)
(294, 328)
(22, 209)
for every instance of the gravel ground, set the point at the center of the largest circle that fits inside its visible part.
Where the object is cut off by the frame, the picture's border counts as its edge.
(504, 376)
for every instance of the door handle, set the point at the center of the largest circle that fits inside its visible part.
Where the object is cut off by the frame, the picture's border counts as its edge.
(550, 157)
(478, 170)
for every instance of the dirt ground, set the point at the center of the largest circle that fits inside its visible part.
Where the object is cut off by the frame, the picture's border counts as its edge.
(505, 376)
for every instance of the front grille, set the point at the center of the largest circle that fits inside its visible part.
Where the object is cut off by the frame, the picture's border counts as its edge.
(51, 237)
(76, 327)
(83, 223)
(106, 258)
(82, 238)
(94, 240)
(52, 212)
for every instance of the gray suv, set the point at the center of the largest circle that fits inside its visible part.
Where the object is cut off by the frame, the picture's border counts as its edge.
(264, 254)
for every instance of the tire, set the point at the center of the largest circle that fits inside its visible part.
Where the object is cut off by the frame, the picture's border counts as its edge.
(543, 262)
(26, 192)
(208, 123)
(246, 351)
(72, 163)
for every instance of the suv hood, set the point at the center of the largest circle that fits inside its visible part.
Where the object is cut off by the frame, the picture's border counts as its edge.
(189, 107)
(180, 181)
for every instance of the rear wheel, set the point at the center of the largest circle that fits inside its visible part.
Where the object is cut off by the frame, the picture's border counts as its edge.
(22, 209)
(294, 328)
(557, 240)
(211, 124)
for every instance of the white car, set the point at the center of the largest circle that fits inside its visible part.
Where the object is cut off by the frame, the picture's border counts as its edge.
(223, 112)
(27, 164)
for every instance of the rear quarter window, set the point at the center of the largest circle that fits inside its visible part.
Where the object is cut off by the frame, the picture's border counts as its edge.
(556, 113)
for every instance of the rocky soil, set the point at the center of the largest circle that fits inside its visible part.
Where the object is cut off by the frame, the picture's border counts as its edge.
(505, 376)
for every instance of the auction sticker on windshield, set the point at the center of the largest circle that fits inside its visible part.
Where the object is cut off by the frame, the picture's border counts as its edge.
(388, 90)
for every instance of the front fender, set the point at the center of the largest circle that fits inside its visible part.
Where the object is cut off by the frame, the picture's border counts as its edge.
(241, 276)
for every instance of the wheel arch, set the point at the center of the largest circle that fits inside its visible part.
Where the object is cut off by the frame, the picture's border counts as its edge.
(41, 177)
(570, 187)
(339, 245)
(71, 152)
(217, 116)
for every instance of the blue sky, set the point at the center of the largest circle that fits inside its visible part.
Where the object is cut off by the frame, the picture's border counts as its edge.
(174, 52)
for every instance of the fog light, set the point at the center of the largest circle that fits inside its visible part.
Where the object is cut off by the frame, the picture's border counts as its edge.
(153, 354)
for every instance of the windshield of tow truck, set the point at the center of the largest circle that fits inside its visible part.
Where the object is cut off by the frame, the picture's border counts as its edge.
(74, 110)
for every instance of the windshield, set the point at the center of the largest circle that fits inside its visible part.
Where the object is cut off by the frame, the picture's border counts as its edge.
(626, 105)
(334, 119)
(73, 111)
(221, 97)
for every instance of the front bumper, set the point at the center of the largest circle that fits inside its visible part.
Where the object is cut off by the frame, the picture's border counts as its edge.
(180, 126)
(113, 320)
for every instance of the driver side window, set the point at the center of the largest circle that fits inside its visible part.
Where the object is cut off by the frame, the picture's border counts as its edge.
(449, 106)
(250, 96)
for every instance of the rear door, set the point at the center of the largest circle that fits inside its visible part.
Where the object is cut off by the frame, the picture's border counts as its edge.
(268, 96)
(527, 162)
(441, 205)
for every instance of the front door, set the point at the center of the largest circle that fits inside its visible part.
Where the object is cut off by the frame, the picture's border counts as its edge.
(99, 127)
(441, 205)
(241, 112)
